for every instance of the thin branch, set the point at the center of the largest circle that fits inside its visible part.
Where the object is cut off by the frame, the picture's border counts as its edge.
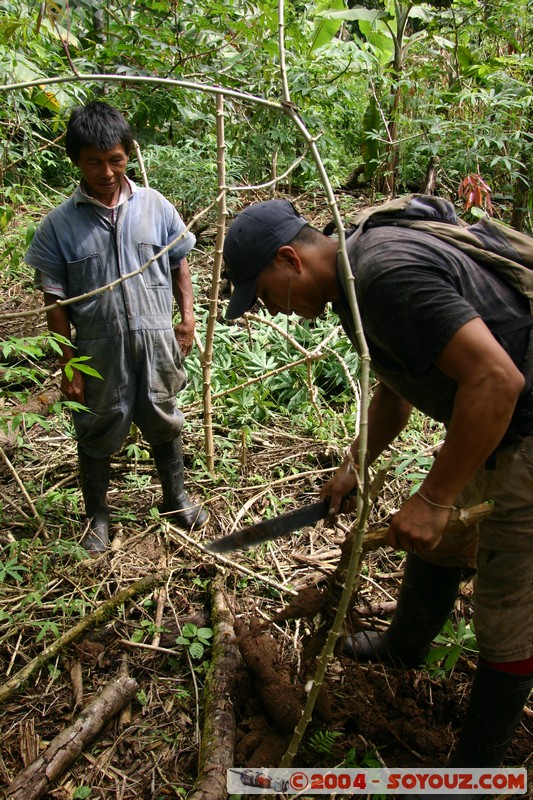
(145, 80)
(363, 504)
(145, 585)
(21, 486)
(281, 47)
(273, 182)
(140, 160)
(207, 354)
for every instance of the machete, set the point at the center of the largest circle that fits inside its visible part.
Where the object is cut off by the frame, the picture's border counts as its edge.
(308, 515)
(269, 529)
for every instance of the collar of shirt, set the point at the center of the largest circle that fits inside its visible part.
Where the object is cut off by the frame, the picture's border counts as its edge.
(127, 189)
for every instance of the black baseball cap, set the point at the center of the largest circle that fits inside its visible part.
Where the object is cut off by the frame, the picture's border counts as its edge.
(251, 243)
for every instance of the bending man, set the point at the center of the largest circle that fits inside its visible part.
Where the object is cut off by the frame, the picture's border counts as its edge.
(432, 319)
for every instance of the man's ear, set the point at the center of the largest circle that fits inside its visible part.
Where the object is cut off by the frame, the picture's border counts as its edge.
(288, 256)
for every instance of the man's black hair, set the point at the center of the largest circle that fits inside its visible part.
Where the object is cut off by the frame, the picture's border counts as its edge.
(96, 125)
(307, 235)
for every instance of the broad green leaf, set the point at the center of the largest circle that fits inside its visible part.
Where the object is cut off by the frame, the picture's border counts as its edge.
(436, 654)
(357, 13)
(30, 233)
(189, 630)
(381, 40)
(452, 659)
(325, 27)
(78, 363)
(62, 34)
(443, 42)
(464, 57)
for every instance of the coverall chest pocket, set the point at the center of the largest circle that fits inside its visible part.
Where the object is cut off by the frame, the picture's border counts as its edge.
(85, 275)
(157, 273)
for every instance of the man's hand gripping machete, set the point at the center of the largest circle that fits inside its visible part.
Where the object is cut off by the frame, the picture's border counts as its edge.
(310, 514)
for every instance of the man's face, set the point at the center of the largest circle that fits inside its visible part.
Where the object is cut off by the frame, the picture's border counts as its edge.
(287, 287)
(103, 171)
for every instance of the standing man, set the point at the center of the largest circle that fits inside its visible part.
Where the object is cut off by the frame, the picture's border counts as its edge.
(444, 336)
(108, 228)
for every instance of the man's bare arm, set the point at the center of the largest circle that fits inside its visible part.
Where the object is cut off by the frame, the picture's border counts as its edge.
(183, 295)
(488, 387)
(58, 322)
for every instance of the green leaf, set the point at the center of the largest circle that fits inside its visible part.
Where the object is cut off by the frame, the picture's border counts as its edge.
(78, 363)
(81, 793)
(381, 40)
(30, 233)
(453, 658)
(48, 625)
(11, 569)
(325, 28)
(196, 650)
(55, 346)
(436, 654)
(358, 13)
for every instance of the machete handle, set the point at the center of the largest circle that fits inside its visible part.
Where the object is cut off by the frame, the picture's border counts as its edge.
(460, 518)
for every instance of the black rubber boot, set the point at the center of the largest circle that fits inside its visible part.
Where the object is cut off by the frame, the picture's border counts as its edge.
(94, 480)
(168, 459)
(426, 597)
(492, 717)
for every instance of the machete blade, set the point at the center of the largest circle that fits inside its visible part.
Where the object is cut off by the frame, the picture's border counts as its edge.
(270, 528)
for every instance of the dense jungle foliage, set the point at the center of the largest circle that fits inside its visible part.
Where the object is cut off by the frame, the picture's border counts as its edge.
(389, 88)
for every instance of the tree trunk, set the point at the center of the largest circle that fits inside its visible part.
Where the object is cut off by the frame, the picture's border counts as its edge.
(218, 736)
(522, 188)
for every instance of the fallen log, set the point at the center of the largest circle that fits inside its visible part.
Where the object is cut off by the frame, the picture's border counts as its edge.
(218, 733)
(36, 779)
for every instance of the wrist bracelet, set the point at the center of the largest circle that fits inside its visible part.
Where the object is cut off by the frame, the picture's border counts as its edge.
(436, 505)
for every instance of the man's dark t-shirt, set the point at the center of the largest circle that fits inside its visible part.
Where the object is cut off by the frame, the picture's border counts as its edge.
(414, 292)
